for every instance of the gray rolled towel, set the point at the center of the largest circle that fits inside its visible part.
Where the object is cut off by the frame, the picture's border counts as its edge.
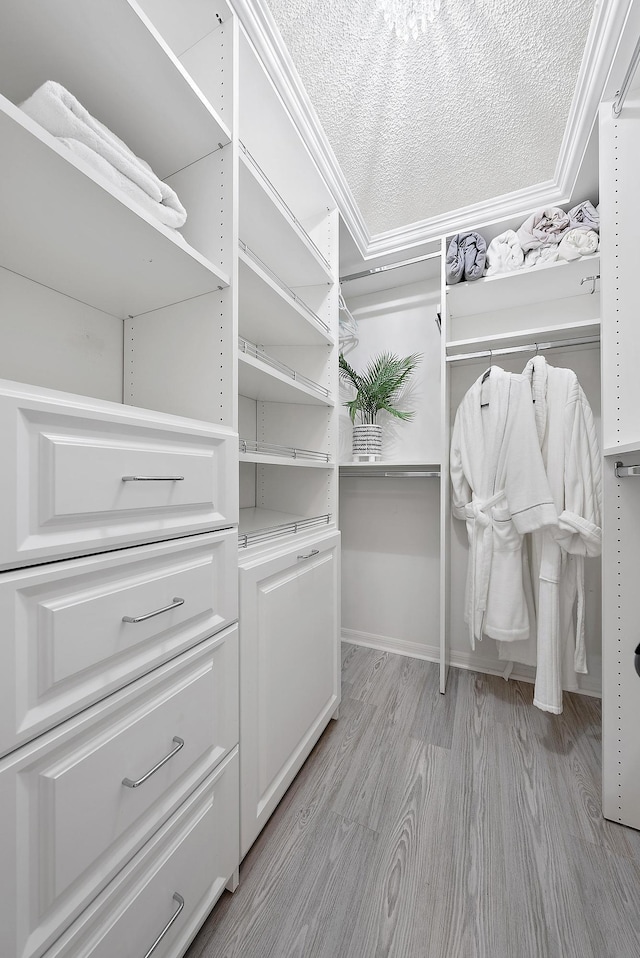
(466, 257)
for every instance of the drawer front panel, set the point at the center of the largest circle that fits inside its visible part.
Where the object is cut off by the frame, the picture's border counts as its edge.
(69, 820)
(192, 856)
(89, 479)
(67, 644)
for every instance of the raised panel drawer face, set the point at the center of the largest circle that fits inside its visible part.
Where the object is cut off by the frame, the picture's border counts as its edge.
(66, 644)
(92, 477)
(192, 856)
(70, 822)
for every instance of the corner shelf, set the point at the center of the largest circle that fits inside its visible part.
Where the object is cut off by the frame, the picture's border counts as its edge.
(536, 284)
(98, 247)
(268, 227)
(263, 378)
(269, 453)
(272, 314)
(260, 525)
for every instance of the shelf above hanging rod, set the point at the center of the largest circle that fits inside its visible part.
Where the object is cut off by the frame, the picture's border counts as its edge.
(526, 348)
(626, 472)
(389, 266)
(389, 475)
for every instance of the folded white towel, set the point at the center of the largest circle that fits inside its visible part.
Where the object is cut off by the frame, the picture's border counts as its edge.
(578, 242)
(164, 214)
(504, 254)
(543, 254)
(59, 112)
(543, 227)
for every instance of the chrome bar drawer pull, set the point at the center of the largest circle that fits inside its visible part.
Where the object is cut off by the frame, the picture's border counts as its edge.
(153, 478)
(179, 744)
(175, 603)
(309, 555)
(180, 900)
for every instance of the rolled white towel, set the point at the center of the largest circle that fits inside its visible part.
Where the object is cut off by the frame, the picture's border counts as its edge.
(585, 215)
(578, 242)
(59, 112)
(543, 254)
(504, 254)
(543, 228)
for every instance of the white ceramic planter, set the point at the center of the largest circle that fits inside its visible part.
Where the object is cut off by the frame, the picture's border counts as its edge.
(367, 443)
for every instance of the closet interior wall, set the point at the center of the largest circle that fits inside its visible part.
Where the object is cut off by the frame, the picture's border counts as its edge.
(390, 526)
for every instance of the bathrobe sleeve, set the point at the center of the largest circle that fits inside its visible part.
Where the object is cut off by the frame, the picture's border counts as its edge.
(461, 490)
(580, 523)
(527, 488)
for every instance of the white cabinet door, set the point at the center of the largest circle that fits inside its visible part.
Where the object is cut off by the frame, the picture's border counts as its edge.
(290, 681)
(75, 631)
(83, 476)
(79, 801)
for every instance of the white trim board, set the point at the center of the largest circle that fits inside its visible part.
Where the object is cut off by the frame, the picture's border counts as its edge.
(606, 30)
(458, 660)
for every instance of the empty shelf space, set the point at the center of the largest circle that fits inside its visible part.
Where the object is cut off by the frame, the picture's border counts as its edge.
(260, 525)
(270, 312)
(262, 377)
(108, 55)
(541, 334)
(270, 229)
(252, 450)
(538, 284)
(66, 228)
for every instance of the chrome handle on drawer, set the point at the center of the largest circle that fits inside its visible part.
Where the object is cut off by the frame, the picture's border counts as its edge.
(175, 602)
(309, 555)
(153, 478)
(179, 744)
(166, 928)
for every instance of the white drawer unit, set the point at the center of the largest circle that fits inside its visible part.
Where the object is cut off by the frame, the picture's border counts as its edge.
(170, 886)
(290, 680)
(81, 800)
(83, 476)
(75, 631)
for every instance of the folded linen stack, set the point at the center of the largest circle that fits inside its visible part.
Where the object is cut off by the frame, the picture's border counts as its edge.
(62, 115)
(466, 257)
(504, 254)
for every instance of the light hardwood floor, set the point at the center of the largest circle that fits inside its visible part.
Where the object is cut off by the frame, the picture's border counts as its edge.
(429, 826)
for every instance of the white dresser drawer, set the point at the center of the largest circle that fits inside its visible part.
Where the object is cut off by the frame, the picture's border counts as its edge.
(65, 642)
(83, 476)
(69, 822)
(192, 856)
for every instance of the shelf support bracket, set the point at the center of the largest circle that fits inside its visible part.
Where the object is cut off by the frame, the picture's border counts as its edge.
(624, 472)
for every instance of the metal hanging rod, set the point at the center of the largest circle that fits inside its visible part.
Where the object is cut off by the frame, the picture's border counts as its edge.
(528, 348)
(390, 266)
(389, 475)
(618, 103)
(625, 472)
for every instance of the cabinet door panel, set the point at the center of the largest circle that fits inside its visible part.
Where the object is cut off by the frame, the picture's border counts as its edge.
(69, 820)
(289, 606)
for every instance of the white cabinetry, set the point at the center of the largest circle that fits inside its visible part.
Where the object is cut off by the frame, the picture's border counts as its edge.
(290, 668)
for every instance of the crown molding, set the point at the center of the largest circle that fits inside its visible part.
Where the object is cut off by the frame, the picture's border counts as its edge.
(605, 32)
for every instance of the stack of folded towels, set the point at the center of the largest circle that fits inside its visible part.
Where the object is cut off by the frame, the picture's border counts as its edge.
(547, 235)
(58, 111)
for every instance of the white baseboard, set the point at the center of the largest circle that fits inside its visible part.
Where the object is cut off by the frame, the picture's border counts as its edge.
(470, 661)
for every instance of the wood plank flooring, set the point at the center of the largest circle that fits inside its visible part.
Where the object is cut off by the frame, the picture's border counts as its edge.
(429, 826)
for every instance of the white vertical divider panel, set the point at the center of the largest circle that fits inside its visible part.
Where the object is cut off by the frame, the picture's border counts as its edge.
(445, 523)
(620, 226)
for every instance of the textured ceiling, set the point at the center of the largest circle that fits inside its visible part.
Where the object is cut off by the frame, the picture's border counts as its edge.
(472, 110)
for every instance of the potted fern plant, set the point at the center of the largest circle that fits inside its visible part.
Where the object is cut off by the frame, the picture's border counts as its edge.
(377, 389)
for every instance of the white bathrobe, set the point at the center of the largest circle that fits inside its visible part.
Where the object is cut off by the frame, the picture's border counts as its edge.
(569, 444)
(500, 489)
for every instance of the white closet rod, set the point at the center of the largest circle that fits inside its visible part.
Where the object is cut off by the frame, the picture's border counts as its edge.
(618, 103)
(390, 266)
(528, 348)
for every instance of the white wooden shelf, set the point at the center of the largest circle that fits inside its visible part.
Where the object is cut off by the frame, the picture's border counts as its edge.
(85, 238)
(263, 378)
(537, 284)
(525, 336)
(252, 450)
(623, 448)
(108, 54)
(268, 312)
(408, 465)
(270, 229)
(260, 525)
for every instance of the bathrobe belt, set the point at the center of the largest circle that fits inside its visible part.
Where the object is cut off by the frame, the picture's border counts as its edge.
(479, 511)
